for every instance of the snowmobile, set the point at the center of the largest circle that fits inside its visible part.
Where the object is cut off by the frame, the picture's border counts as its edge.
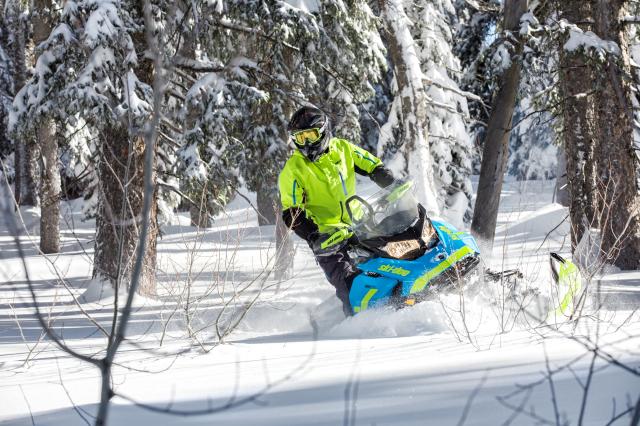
(402, 254)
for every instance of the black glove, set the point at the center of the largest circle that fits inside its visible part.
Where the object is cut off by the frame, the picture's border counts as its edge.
(329, 244)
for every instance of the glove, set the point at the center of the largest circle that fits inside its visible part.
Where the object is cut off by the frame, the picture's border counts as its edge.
(328, 244)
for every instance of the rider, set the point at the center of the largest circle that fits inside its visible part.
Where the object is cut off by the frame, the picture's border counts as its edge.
(314, 185)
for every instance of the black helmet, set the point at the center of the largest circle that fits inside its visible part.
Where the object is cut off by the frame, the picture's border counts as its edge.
(310, 132)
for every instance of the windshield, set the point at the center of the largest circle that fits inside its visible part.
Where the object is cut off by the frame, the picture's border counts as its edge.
(388, 212)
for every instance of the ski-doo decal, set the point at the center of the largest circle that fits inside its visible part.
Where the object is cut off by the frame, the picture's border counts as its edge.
(397, 270)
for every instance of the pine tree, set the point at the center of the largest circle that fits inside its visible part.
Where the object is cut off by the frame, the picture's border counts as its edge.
(20, 50)
(598, 128)
(93, 65)
(532, 146)
(405, 137)
(47, 140)
(495, 150)
(449, 143)
(476, 46)
(6, 92)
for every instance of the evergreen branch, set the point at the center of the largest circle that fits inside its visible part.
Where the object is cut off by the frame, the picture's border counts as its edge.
(195, 65)
(223, 23)
(166, 122)
(169, 139)
(630, 20)
(455, 90)
(186, 76)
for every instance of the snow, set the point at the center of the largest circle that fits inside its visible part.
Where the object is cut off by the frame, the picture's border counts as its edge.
(579, 39)
(502, 58)
(528, 24)
(136, 105)
(103, 22)
(63, 30)
(308, 6)
(429, 364)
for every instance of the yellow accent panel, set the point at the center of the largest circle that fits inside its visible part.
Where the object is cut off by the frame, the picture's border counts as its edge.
(397, 193)
(337, 237)
(569, 280)
(423, 280)
(366, 298)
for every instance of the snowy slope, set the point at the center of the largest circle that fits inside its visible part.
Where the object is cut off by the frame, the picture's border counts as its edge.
(473, 358)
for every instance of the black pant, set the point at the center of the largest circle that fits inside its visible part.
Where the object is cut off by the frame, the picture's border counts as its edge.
(340, 272)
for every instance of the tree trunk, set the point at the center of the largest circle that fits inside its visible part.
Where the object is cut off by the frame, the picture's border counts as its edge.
(50, 187)
(267, 202)
(26, 151)
(121, 187)
(562, 189)
(579, 118)
(598, 135)
(200, 213)
(496, 143)
(284, 248)
(270, 213)
(6, 89)
(412, 98)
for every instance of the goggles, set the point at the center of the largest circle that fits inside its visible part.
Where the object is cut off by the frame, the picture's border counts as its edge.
(302, 137)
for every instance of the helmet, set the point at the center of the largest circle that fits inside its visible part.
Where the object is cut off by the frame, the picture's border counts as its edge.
(310, 132)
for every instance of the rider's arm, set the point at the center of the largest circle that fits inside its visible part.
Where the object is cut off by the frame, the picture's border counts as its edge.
(367, 164)
(292, 199)
(296, 220)
(382, 176)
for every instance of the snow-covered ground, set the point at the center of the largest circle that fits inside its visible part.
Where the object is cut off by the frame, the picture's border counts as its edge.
(474, 358)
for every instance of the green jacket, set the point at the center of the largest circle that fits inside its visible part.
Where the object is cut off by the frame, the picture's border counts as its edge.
(320, 188)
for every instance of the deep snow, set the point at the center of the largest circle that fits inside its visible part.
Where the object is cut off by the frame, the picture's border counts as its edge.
(468, 359)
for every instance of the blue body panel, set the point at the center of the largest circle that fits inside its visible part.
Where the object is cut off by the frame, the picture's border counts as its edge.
(368, 291)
